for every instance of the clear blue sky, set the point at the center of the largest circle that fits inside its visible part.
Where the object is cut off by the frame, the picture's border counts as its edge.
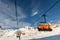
(28, 12)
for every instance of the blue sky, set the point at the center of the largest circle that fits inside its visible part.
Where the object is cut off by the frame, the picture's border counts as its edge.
(28, 12)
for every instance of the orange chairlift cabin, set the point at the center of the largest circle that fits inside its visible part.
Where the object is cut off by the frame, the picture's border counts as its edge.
(44, 26)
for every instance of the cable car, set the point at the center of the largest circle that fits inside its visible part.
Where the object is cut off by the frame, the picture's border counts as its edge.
(44, 26)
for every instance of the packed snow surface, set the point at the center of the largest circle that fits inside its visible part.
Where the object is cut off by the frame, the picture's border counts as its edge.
(30, 34)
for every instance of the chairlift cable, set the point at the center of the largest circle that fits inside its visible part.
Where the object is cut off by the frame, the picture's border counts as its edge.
(16, 12)
(48, 10)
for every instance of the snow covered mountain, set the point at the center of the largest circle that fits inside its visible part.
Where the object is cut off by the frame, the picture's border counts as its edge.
(31, 34)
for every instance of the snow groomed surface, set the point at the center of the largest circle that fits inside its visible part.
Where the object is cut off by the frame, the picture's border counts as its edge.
(30, 34)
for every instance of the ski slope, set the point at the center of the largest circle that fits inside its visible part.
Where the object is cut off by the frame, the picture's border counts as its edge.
(30, 34)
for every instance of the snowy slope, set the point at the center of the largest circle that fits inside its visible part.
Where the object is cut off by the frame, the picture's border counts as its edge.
(30, 34)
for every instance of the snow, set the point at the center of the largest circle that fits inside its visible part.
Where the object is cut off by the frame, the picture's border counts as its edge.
(30, 34)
